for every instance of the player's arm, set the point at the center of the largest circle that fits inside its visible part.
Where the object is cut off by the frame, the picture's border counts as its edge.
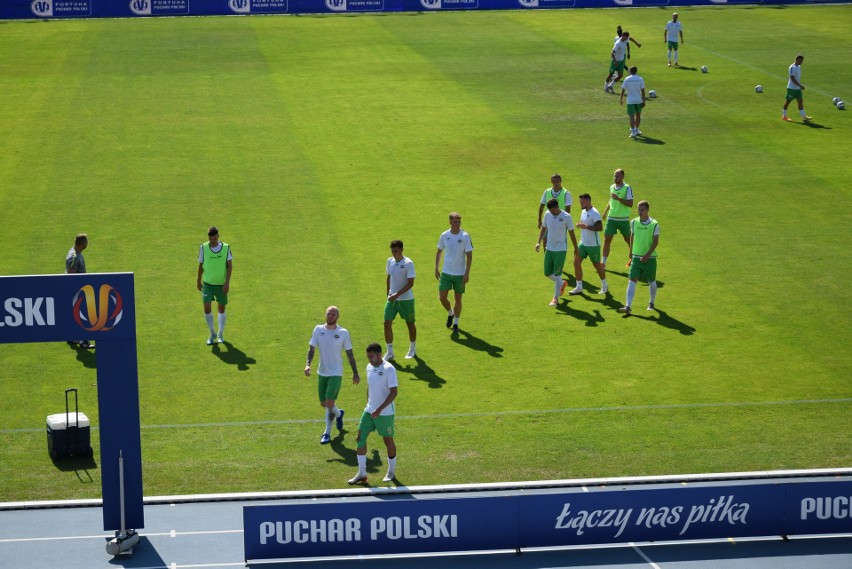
(540, 211)
(350, 355)
(598, 226)
(654, 243)
(387, 287)
(229, 267)
(681, 35)
(438, 264)
(200, 272)
(540, 237)
(385, 403)
(310, 358)
(643, 96)
(573, 240)
(469, 256)
(634, 41)
(621, 98)
(605, 211)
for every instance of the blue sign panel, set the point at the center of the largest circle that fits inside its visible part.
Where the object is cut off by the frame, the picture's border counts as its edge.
(379, 527)
(100, 307)
(548, 518)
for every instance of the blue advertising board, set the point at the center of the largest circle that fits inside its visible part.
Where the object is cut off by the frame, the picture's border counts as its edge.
(49, 9)
(516, 520)
(99, 307)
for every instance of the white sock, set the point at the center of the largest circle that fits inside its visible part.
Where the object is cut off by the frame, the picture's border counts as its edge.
(390, 349)
(222, 317)
(552, 277)
(412, 346)
(783, 112)
(557, 285)
(450, 313)
(603, 260)
(335, 411)
(391, 465)
(603, 284)
(456, 320)
(209, 319)
(579, 285)
(802, 112)
(362, 465)
(631, 292)
(329, 419)
(652, 286)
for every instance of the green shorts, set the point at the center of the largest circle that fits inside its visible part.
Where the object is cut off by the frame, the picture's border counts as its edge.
(451, 282)
(616, 66)
(554, 261)
(646, 271)
(672, 45)
(794, 94)
(405, 309)
(329, 387)
(210, 292)
(614, 226)
(634, 108)
(383, 425)
(592, 252)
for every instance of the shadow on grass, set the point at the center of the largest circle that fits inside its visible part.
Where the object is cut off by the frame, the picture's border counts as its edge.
(349, 456)
(684, 68)
(590, 318)
(233, 356)
(812, 124)
(421, 372)
(85, 357)
(468, 340)
(663, 319)
(79, 465)
(648, 140)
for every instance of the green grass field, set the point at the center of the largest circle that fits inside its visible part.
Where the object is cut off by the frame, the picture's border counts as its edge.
(314, 141)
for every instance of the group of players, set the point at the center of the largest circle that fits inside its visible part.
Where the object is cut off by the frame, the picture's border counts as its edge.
(642, 235)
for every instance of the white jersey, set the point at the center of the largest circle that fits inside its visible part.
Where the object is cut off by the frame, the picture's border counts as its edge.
(455, 247)
(400, 272)
(557, 228)
(331, 343)
(620, 49)
(795, 71)
(379, 382)
(672, 31)
(588, 237)
(633, 85)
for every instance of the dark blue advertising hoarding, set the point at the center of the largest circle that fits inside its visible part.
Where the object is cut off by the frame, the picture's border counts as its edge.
(515, 520)
(99, 308)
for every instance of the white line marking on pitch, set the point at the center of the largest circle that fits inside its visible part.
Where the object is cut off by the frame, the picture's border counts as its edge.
(645, 557)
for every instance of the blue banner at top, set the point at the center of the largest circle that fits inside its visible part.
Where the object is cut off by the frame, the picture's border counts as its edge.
(52, 308)
(46, 9)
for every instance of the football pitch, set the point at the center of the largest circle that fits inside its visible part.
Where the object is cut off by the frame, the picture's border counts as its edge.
(313, 141)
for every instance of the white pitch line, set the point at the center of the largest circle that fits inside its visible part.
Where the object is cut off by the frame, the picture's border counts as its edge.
(618, 408)
(645, 557)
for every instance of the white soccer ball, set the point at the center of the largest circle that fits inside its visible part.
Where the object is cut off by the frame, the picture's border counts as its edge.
(652, 94)
(841, 105)
(758, 89)
(835, 100)
(703, 69)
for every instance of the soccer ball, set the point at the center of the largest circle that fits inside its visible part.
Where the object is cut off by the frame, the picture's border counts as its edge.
(841, 105)
(758, 89)
(652, 94)
(835, 100)
(703, 69)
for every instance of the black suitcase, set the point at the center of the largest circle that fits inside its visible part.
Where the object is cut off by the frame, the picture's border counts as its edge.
(69, 434)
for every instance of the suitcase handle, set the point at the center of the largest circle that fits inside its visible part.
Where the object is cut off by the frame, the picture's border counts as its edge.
(76, 408)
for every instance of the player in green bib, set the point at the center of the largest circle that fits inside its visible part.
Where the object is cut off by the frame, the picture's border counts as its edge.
(617, 213)
(214, 280)
(644, 238)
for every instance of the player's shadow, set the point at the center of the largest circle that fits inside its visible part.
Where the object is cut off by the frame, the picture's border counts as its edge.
(590, 318)
(349, 456)
(685, 68)
(421, 372)
(85, 357)
(468, 340)
(813, 124)
(663, 319)
(648, 140)
(233, 356)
